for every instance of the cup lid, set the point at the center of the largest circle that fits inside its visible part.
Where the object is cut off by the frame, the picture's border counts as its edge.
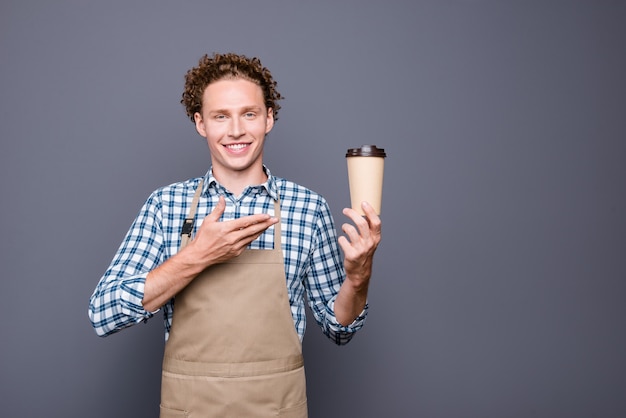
(366, 151)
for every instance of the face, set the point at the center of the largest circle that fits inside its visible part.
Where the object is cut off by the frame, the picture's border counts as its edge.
(234, 121)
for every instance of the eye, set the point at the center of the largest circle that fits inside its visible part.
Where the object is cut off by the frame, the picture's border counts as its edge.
(249, 115)
(220, 117)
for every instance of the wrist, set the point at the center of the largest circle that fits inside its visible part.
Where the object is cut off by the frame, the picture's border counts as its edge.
(357, 283)
(190, 261)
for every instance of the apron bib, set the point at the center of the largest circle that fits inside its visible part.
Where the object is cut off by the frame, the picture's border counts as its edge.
(233, 350)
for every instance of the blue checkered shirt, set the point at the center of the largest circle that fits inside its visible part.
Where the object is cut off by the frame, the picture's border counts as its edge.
(309, 244)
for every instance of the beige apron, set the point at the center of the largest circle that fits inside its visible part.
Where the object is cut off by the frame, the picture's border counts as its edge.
(233, 350)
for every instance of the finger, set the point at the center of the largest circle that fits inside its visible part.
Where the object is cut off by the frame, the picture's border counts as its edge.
(245, 236)
(253, 231)
(372, 218)
(251, 220)
(345, 245)
(249, 236)
(218, 210)
(351, 252)
(361, 222)
(352, 234)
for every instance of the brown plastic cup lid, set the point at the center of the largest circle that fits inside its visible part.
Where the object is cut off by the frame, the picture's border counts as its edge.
(366, 151)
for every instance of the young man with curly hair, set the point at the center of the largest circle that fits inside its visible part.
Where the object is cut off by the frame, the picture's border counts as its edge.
(228, 258)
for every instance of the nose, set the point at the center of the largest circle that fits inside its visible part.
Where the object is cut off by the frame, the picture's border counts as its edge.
(237, 128)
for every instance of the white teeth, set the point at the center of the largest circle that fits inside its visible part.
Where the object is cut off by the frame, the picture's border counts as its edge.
(236, 146)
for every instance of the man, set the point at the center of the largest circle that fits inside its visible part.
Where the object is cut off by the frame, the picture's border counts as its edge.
(234, 253)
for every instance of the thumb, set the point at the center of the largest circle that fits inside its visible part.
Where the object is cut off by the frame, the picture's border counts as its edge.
(217, 211)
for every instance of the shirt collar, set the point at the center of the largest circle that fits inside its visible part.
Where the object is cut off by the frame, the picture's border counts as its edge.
(211, 185)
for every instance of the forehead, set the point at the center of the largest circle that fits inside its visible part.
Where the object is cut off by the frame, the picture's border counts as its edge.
(232, 93)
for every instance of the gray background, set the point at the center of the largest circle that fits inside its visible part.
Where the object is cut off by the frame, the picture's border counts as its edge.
(499, 287)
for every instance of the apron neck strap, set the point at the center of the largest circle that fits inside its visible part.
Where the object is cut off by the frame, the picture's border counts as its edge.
(191, 217)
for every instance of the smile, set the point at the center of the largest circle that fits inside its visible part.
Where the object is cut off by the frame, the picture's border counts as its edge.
(236, 147)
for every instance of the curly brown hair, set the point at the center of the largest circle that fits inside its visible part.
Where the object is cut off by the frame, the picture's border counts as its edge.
(227, 66)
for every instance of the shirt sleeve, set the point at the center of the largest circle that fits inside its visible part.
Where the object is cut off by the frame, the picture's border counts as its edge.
(117, 300)
(325, 276)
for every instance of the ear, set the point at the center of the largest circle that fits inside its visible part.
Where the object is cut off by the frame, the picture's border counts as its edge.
(270, 120)
(197, 117)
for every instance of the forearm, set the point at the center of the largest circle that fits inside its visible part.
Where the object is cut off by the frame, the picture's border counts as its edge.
(165, 281)
(359, 245)
(350, 301)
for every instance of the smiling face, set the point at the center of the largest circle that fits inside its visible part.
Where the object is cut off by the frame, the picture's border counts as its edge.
(234, 121)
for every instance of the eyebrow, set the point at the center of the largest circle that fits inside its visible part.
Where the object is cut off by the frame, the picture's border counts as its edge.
(244, 110)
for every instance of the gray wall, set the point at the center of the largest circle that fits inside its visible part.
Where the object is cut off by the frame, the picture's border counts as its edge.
(499, 288)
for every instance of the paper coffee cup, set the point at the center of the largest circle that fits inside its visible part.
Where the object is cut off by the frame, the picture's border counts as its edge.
(365, 176)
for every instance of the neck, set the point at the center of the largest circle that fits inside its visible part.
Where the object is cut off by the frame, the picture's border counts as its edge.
(238, 181)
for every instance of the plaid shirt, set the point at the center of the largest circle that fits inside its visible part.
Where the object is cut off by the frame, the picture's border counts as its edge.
(309, 244)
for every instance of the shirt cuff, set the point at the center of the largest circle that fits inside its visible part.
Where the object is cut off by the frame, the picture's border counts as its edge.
(357, 324)
(131, 297)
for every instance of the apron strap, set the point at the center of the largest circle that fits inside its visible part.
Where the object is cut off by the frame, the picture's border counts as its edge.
(191, 217)
(277, 228)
